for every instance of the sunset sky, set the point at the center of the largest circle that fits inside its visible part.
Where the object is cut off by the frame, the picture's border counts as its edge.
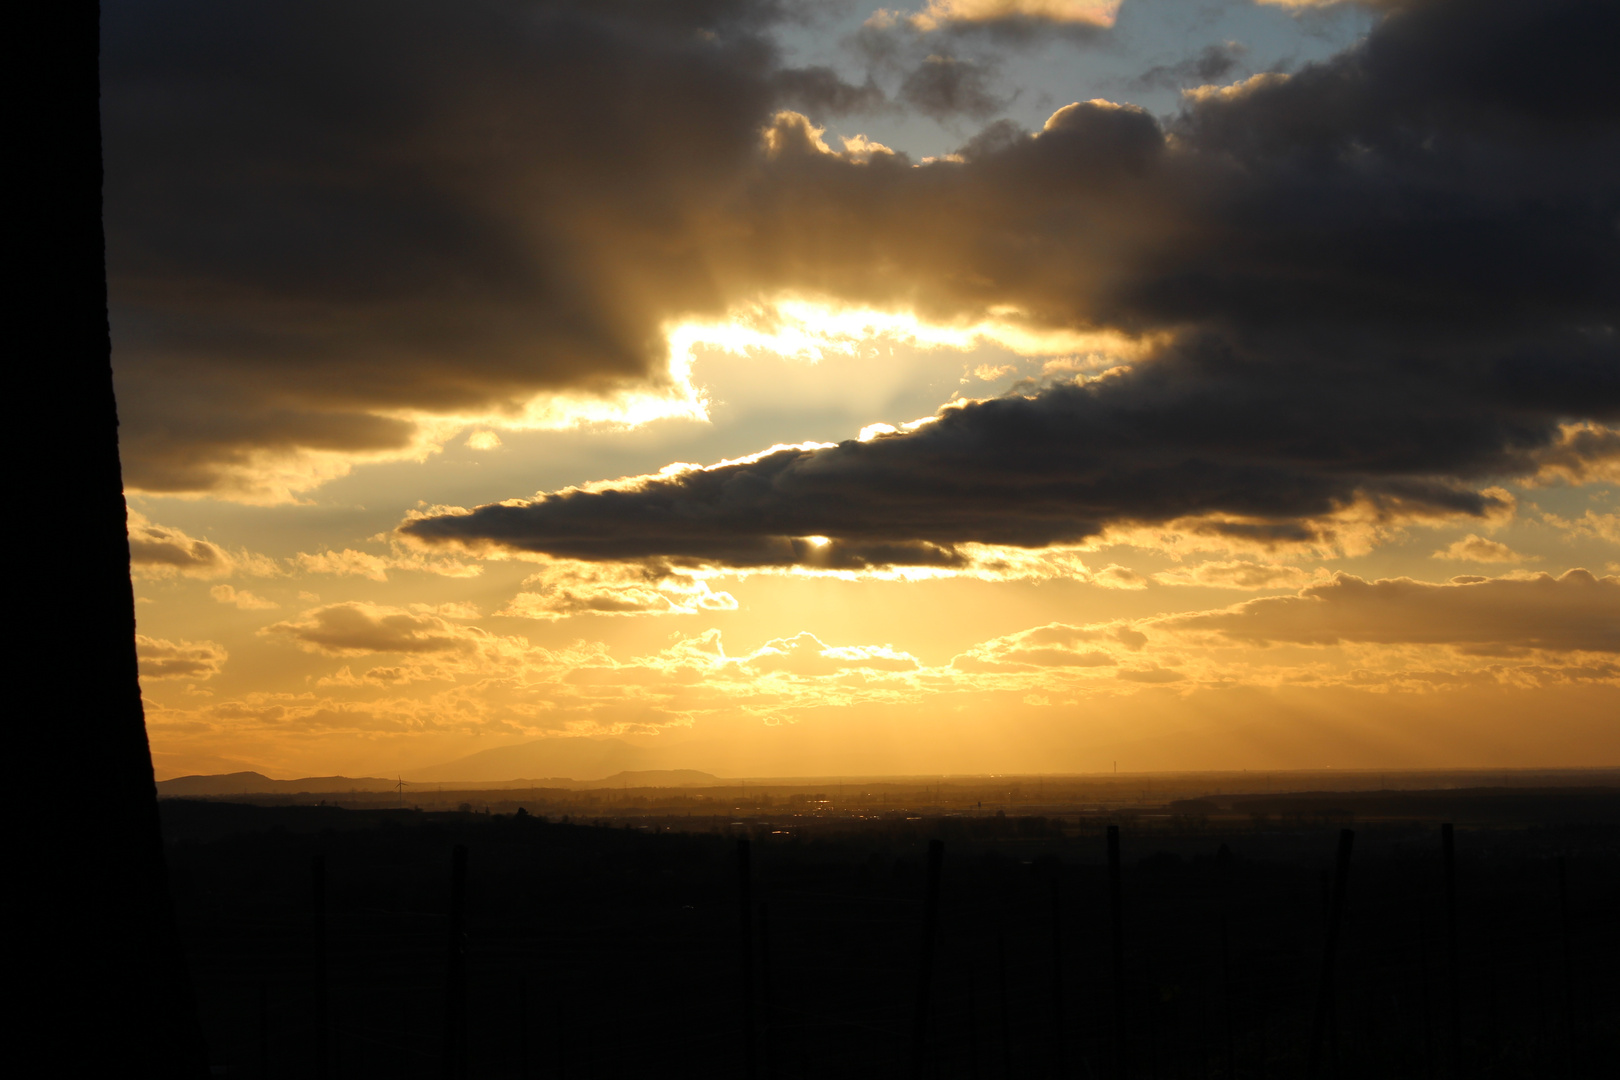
(799, 388)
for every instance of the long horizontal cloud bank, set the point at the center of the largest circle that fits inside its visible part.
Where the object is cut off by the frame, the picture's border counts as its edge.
(1382, 283)
(1387, 277)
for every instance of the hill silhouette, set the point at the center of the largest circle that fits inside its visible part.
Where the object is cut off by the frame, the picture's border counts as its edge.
(556, 758)
(255, 783)
(252, 783)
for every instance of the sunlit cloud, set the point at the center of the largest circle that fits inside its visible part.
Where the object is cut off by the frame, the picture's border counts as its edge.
(1472, 548)
(163, 551)
(352, 563)
(940, 13)
(163, 659)
(1592, 524)
(241, 598)
(567, 589)
(1235, 574)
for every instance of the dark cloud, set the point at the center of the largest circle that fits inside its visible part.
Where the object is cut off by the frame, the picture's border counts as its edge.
(163, 659)
(319, 212)
(821, 92)
(161, 547)
(356, 629)
(1574, 612)
(947, 86)
(1384, 281)
(1212, 64)
(1389, 277)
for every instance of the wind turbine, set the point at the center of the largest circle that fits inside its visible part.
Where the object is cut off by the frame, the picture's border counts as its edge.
(400, 786)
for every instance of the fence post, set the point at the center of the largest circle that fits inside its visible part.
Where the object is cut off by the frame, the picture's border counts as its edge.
(1453, 974)
(1006, 1025)
(768, 1043)
(1059, 1056)
(1122, 1064)
(455, 996)
(1569, 967)
(925, 963)
(1226, 1002)
(1324, 994)
(745, 938)
(318, 941)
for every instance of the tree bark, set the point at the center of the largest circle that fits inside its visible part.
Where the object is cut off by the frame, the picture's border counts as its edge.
(105, 979)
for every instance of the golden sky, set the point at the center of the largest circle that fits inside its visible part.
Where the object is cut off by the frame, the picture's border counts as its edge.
(797, 388)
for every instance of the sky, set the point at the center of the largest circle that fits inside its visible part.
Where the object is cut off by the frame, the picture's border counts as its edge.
(806, 388)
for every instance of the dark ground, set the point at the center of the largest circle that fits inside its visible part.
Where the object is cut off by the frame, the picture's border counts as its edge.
(613, 949)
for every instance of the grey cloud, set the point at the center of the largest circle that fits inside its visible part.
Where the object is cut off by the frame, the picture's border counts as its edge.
(355, 629)
(1574, 612)
(820, 91)
(154, 545)
(163, 659)
(317, 211)
(948, 86)
(1212, 64)
(1389, 279)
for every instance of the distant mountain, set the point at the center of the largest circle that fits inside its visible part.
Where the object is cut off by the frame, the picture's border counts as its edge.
(572, 762)
(252, 783)
(575, 758)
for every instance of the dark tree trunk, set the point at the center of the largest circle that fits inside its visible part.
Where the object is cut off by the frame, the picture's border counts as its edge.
(104, 977)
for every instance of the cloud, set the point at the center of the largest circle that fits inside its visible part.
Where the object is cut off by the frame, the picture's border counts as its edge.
(1473, 548)
(1061, 466)
(159, 551)
(241, 598)
(1114, 576)
(805, 655)
(340, 231)
(1590, 524)
(947, 86)
(160, 658)
(357, 629)
(1574, 612)
(820, 92)
(1213, 62)
(1235, 574)
(1006, 15)
(566, 590)
(1055, 645)
(1582, 453)
(1374, 289)
(352, 563)
(346, 231)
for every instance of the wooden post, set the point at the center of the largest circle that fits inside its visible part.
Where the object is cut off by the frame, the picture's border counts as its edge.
(318, 945)
(1006, 1026)
(1453, 974)
(523, 1027)
(1569, 968)
(1324, 992)
(973, 1029)
(1226, 1003)
(1059, 1062)
(1428, 1007)
(768, 1050)
(745, 938)
(1122, 1065)
(264, 1032)
(455, 995)
(925, 963)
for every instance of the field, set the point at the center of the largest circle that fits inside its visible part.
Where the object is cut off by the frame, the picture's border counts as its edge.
(333, 940)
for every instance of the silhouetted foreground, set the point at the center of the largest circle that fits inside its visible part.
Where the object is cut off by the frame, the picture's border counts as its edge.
(102, 987)
(1221, 942)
